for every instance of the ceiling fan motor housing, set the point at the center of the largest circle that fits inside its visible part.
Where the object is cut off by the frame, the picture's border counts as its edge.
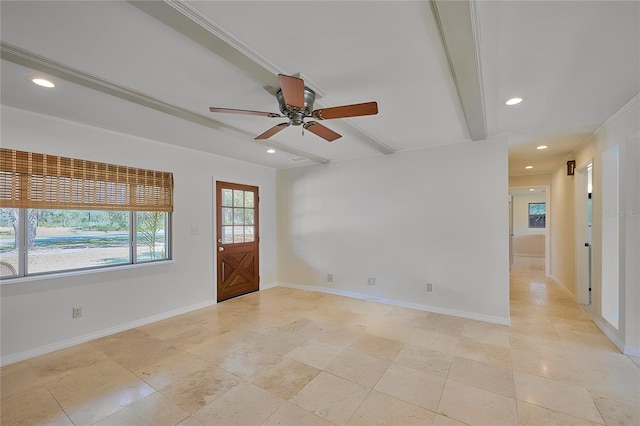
(297, 116)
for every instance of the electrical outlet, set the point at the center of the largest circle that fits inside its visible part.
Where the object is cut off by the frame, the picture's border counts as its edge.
(329, 278)
(77, 312)
(371, 281)
(429, 287)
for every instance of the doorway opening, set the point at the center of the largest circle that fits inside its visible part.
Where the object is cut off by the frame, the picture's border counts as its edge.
(529, 226)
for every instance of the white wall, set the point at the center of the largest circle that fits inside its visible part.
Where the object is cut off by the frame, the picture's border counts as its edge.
(527, 241)
(36, 314)
(438, 215)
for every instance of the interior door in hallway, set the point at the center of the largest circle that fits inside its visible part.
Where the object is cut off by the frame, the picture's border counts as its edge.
(238, 238)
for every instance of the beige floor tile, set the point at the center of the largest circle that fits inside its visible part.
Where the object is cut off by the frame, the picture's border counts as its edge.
(490, 334)
(483, 352)
(190, 421)
(247, 361)
(360, 368)
(379, 347)
(443, 324)
(31, 406)
(381, 409)
(279, 341)
(245, 404)
(555, 395)
(482, 375)
(292, 415)
(373, 309)
(170, 370)
(434, 341)
(339, 335)
(316, 354)
(153, 410)
(546, 366)
(425, 360)
(618, 410)
(412, 386)
(91, 393)
(441, 420)
(199, 389)
(331, 397)
(383, 328)
(134, 349)
(477, 406)
(217, 348)
(18, 377)
(67, 361)
(285, 377)
(533, 415)
(192, 337)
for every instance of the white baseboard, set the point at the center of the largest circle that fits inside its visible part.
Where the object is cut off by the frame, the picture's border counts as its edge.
(631, 350)
(612, 334)
(411, 305)
(41, 350)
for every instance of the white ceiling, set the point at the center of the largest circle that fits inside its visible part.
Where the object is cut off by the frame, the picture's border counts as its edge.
(575, 63)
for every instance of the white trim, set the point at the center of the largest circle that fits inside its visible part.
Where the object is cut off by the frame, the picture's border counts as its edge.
(411, 305)
(631, 350)
(41, 350)
(612, 335)
(618, 113)
(539, 256)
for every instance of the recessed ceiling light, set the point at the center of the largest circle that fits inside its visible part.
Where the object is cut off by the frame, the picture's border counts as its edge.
(271, 151)
(513, 101)
(43, 83)
(531, 189)
(528, 167)
(542, 147)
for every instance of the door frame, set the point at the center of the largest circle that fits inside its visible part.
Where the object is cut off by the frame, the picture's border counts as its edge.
(214, 232)
(548, 225)
(582, 253)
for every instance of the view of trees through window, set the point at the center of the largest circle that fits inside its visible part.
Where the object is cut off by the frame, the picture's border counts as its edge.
(537, 215)
(60, 240)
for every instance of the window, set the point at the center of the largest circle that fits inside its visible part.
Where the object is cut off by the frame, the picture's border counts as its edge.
(59, 214)
(537, 215)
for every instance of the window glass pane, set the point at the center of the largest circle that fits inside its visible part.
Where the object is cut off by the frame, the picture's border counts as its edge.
(238, 198)
(248, 216)
(248, 199)
(227, 197)
(238, 234)
(59, 240)
(9, 223)
(248, 234)
(227, 216)
(238, 216)
(537, 215)
(227, 234)
(150, 237)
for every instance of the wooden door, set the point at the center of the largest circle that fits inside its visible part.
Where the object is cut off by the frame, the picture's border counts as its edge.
(238, 238)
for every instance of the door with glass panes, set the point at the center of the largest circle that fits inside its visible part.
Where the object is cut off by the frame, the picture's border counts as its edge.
(237, 244)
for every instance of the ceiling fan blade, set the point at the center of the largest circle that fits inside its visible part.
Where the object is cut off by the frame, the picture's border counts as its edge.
(322, 131)
(244, 111)
(272, 131)
(355, 110)
(292, 90)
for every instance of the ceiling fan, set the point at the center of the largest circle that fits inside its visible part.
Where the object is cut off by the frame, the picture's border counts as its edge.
(296, 103)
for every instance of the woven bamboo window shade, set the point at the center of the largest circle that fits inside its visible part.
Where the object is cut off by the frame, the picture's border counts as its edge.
(41, 181)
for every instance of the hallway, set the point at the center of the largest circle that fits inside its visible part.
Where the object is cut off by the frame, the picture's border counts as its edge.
(293, 357)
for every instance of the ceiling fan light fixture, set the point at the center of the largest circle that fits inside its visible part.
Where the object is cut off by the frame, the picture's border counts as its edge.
(271, 151)
(513, 101)
(43, 83)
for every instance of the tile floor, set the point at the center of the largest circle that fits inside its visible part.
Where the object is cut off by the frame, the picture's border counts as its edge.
(291, 357)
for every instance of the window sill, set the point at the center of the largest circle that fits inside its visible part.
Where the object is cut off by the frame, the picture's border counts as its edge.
(55, 275)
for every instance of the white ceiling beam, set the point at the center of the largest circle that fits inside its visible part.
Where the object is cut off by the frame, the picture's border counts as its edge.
(36, 62)
(459, 29)
(189, 22)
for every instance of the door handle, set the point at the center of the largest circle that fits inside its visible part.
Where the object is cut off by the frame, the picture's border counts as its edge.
(220, 248)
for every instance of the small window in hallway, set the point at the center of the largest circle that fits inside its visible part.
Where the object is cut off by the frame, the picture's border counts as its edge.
(537, 215)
